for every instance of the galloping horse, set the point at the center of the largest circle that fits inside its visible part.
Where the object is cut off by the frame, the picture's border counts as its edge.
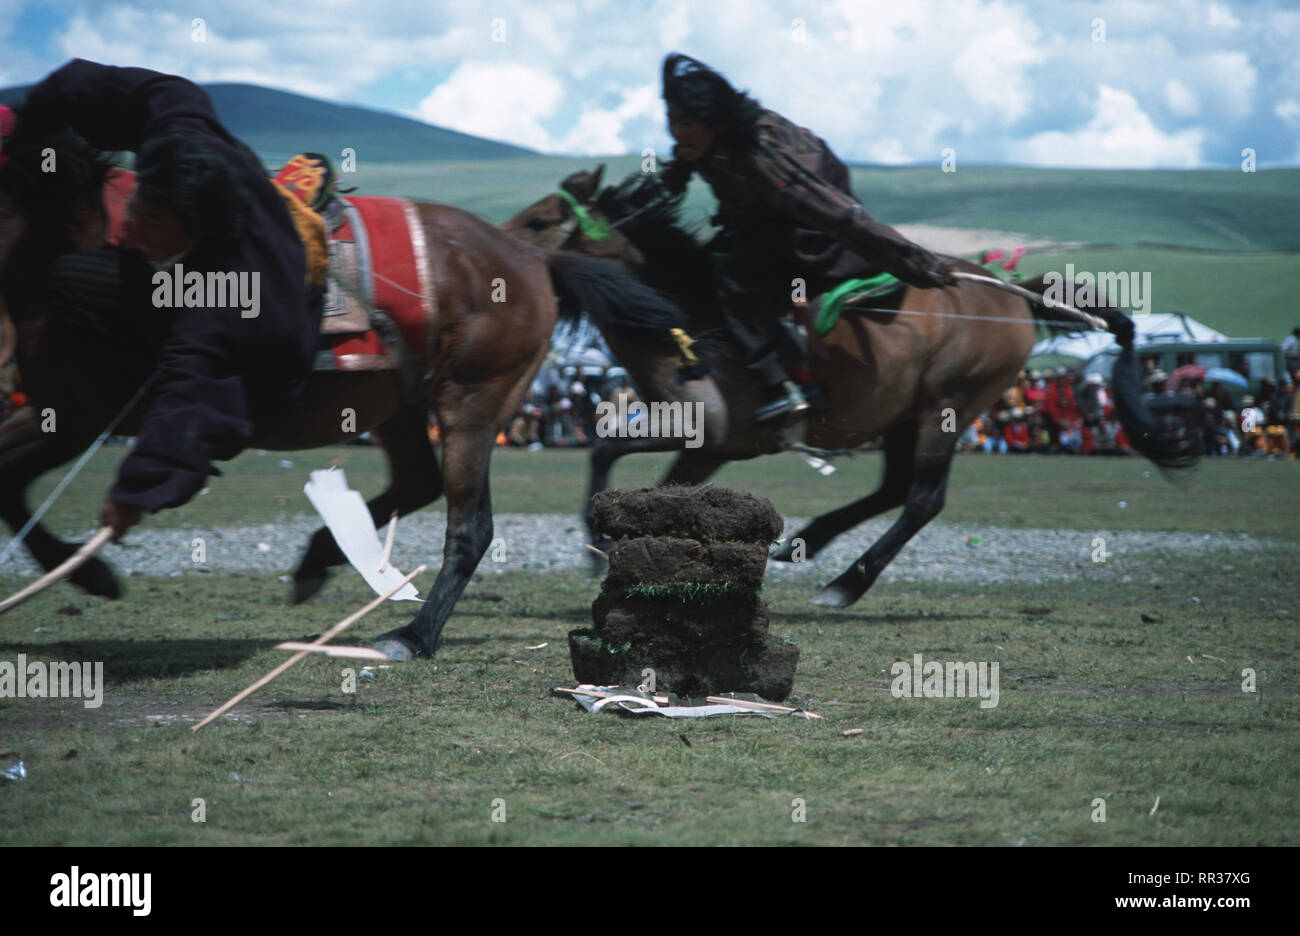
(915, 368)
(495, 312)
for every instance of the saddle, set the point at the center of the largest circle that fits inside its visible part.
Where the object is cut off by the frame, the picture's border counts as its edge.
(371, 321)
(356, 333)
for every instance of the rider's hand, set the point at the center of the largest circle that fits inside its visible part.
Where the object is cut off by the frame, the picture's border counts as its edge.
(674, 176)
(121, 517)
(925, 270)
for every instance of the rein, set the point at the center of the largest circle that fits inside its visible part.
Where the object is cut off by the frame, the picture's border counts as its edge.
(596, 230)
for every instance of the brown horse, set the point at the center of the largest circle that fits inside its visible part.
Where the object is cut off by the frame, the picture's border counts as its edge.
(914, 369)
(496, 311)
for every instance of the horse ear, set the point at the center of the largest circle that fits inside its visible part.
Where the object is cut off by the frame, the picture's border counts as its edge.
(595, 180)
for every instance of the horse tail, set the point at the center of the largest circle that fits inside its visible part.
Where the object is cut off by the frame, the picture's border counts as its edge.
(613, 299)
(1164, 429)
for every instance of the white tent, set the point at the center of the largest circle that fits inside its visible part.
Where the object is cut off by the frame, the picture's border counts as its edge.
(1149, 328)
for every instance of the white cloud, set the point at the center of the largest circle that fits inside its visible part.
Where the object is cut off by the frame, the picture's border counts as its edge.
(991, 69)
(886, 80)
(497, 101)
(599, 131)
(1180, 99)
(1288, 112)
(1119, 135)
(1220, 17)
(1228, 78)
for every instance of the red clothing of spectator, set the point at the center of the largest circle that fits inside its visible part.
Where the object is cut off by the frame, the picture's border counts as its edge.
(1061, 406)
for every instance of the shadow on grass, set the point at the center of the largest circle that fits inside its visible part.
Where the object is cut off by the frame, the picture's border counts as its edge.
(128, 659)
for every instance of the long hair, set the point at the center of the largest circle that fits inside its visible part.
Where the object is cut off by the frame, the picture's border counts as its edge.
(197, 185)
(699, 90)
(50, 203)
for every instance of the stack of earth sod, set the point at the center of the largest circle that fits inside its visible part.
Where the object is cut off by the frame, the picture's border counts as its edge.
(681, 595)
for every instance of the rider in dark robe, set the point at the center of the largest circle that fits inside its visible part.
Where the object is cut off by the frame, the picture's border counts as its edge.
(202, 200)
(787, 211)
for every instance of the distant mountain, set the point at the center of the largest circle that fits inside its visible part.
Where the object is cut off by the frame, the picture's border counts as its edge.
(277, 124)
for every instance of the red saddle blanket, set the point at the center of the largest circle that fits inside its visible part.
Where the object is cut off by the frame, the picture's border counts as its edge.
(401, 283)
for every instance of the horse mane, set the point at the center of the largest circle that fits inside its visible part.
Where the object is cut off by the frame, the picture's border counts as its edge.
(49, 202)
(649, 216)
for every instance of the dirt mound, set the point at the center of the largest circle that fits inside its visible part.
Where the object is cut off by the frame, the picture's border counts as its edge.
(663, 560)
(707, 514)
(681, 596)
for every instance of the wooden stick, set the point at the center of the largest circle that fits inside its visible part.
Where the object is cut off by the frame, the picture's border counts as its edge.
(70, 565)
(388, 541)
(601, 694)
(1044, 301)
(329, 650)
(298, 657)
(759, 706)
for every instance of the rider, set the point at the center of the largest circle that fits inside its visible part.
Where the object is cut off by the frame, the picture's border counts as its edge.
(202, 200)
(786, 210)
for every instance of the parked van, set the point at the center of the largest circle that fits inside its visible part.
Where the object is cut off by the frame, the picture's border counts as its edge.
(1254, 358)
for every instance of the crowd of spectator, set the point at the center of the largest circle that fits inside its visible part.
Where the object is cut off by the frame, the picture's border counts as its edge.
(1049, 412)
(1056, 412)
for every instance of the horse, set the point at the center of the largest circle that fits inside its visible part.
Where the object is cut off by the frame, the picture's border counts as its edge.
(913, 369)
(496, 311)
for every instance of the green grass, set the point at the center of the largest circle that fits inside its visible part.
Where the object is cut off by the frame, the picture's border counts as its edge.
(1095, 700)
(1258, 497)
(1094, 703)
(1242, 295)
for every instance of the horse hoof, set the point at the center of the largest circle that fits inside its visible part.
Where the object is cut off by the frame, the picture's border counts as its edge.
(96, 577)
(834, 596)
(784, 554)
(305, 587)
(396, 647)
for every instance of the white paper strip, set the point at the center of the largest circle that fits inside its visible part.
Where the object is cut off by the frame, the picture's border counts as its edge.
(344, 512)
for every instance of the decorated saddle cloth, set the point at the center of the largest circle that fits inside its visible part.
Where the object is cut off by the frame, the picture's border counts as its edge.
(371, 254)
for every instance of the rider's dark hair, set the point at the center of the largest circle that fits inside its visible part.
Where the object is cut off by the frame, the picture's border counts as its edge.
(197, 185)
(701, 91)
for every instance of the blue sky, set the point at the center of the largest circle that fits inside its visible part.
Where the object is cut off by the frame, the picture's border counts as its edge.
(1118, 83)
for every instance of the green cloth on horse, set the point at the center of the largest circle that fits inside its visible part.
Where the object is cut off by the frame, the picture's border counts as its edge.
(833, 300)
(881, 284)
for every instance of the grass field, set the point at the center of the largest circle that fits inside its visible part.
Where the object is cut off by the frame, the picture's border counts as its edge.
(1096, 701)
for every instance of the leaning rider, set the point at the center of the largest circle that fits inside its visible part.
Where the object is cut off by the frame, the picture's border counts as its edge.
(786, 210)
(202, 200)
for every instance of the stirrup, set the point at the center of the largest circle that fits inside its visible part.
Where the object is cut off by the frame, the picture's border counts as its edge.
(785, 408)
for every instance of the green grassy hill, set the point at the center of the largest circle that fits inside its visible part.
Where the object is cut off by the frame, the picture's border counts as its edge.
(1224, 247)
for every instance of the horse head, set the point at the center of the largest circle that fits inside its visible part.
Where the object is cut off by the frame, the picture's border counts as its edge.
(569, 219)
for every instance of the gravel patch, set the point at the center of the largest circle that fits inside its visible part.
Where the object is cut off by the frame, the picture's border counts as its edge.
(543, 542)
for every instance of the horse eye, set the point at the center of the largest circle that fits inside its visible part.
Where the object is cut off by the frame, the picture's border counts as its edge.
(536, 224)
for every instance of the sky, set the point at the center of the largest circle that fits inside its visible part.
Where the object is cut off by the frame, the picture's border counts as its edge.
(1111, 84)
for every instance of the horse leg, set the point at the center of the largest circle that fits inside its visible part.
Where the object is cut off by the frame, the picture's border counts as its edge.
(466, 454)
(924, 500)
(26, 453)
(693, 466)
(900, 445)
(414, 481)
